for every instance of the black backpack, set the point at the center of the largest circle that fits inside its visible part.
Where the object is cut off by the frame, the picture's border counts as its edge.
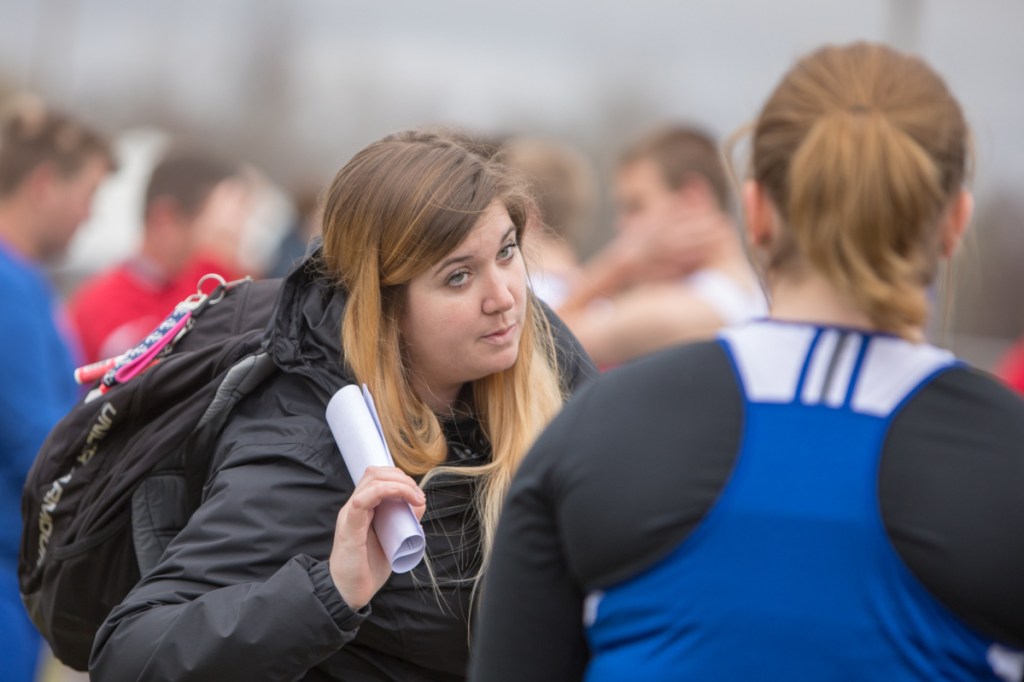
(119, 475)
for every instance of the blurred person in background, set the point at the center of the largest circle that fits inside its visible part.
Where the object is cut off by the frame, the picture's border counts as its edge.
(677, 270)
(304, 227)
(565, 187)
(50, 167)
(821, 495)
(194, 215)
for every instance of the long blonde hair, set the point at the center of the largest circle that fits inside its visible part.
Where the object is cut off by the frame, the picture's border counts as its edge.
(862, 149)
(397, 208)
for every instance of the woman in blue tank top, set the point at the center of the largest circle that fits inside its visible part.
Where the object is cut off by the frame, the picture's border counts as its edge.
(819, 495)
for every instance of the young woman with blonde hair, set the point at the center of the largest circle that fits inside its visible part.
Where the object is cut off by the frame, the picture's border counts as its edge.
(821, 495)
(419, 291)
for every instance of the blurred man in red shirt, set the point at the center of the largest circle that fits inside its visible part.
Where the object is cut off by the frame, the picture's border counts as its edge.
(195, 211)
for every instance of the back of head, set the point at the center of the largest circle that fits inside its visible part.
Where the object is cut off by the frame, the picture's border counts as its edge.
(861, 149)
(187, 177)
(31, 135)
(561, 180)
(680, 153)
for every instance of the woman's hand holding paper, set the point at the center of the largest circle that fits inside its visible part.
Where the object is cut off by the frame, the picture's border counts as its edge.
(358, 565)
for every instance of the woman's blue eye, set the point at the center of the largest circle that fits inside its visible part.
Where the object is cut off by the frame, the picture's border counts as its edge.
(507, 251)
(457, 278)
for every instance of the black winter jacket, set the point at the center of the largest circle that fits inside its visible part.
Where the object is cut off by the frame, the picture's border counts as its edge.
(244, 591)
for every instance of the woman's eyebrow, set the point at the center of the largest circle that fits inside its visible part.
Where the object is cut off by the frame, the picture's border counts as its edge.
(465, 257)
(452, 261)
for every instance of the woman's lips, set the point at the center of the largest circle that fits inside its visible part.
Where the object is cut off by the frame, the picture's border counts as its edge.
(502, 335)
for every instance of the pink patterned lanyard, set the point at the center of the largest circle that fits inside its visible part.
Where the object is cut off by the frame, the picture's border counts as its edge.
(158, 342)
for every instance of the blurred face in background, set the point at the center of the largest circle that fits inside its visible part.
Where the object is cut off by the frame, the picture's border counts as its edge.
(65, 204)
(643, 199)
(217, 231)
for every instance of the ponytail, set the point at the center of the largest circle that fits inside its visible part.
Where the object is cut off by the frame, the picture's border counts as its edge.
(863, 197)
(862, 149)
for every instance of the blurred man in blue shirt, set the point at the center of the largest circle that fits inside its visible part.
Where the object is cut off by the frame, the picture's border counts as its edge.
(50, 167)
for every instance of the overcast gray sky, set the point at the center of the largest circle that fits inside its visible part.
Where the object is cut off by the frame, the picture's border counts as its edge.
(352, 71)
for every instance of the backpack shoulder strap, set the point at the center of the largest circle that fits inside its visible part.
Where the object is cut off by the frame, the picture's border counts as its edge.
(164, 501)
(241, 380)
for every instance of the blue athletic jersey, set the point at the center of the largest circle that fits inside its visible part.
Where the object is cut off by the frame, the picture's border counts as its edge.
(791, 571)
(791, 502)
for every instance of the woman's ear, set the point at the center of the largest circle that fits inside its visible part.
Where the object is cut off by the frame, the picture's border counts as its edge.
(955, 222)
(760, 214)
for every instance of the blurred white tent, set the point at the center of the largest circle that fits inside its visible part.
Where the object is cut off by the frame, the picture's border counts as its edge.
(113, 231)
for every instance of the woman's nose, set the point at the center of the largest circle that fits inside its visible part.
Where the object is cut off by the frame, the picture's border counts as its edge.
(498, 298)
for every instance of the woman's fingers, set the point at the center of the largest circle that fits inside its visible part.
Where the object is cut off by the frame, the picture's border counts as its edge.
(419, 509)
(358, 565)
(379, 484)
(389, 482)
(367, 498)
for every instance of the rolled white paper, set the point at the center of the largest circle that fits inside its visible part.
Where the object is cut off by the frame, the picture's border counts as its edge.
(353, 420)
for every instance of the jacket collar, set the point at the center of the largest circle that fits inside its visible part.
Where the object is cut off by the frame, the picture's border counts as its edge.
(304, 334)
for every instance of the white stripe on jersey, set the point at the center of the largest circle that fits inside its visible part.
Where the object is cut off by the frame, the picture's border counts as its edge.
(590, 604)
(770, 356)
(892, 369)
(1007, 664)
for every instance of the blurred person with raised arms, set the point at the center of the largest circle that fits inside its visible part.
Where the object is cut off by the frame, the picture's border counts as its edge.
(50, 168)
(194, 213)
(676, 271)
(420, 292)
(820, 495)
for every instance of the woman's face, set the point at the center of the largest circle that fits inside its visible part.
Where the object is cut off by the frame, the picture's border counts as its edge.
(464, 315)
